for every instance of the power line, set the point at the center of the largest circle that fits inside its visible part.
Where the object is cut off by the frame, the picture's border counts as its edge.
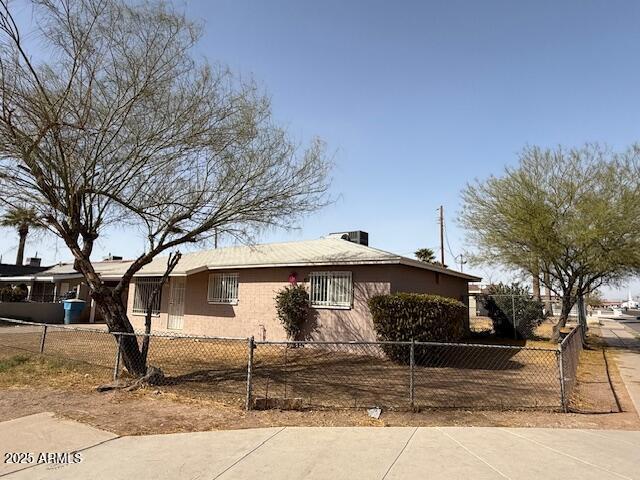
(446, 236)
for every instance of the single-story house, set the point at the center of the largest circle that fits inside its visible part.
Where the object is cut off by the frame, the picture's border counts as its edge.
(9, 272)
(50, 285)
(230, 291)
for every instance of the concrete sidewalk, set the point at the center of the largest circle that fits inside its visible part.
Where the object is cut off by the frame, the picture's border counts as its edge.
(627, 354)
(45, 433)
(336, 453)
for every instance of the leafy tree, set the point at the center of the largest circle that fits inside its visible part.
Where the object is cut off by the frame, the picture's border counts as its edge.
(120, 123)
(22, 219)
(292, 306)
(426, 255)
(594, 299)
(575, 213)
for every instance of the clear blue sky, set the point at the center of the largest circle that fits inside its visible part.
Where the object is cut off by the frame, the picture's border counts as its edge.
(417, 98)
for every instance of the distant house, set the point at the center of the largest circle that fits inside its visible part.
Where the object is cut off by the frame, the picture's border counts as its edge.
(230, 291)
(53, 284)
(11, 270)
(11, 274)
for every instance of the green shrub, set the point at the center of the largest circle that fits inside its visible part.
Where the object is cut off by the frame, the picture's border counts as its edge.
(14, 294)
(412, 316)
(513, 312)
(292, 306)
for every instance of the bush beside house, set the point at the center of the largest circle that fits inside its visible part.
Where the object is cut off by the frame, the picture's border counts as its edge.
(419, 317)
(292, 307)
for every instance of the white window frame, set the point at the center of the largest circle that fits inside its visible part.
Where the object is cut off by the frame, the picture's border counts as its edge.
(146, 285)
(325, 290)
(221, 293)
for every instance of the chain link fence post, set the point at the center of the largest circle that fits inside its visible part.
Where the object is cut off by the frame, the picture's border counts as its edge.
(251, 346)
(116, 366)
(560, 361)
(412, 364)
(42, 339)
(513, 316)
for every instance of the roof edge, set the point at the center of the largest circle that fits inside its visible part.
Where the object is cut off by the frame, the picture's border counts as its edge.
(391, 261)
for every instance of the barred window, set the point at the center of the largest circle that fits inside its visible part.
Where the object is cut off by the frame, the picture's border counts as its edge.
(144, 286)
(331, 289)
(223, 288)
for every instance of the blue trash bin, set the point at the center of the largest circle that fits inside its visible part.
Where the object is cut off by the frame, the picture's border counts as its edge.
(72, 310)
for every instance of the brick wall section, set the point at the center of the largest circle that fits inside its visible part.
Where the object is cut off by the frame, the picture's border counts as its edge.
(255, 313)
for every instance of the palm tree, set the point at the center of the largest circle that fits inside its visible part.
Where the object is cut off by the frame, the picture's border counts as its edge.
(22, 219)
(426, 255)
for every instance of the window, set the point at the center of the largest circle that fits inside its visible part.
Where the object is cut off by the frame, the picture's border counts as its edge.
(223, 288)
(331, 289)
(144, 287)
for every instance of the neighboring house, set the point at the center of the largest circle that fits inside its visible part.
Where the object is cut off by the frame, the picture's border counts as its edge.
(52, 284)
(230, 291)
(11, 270)
(476, 290)
(9, 273)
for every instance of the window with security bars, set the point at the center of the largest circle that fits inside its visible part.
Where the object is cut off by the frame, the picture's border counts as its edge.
(144, 287)
(223, 288)
(331, 289)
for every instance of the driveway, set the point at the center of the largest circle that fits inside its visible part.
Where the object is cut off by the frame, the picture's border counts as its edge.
(336, 453)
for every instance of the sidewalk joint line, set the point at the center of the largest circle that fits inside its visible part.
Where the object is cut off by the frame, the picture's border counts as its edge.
(474, 454)
(399, 453)
(247, 454)
(614, 439)
(567, 455)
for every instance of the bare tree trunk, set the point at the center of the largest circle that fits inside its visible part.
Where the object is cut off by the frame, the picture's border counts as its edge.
(171, 264)
(23, 231)
(114, 313)
(535, 283)
(567, 304)
(547, 282)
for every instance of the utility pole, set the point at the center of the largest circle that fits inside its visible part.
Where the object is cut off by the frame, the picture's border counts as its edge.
(461, 260)
(441, 235)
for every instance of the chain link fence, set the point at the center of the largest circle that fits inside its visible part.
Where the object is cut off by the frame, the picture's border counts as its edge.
(570, 349)
(263, 374)
(508, 315)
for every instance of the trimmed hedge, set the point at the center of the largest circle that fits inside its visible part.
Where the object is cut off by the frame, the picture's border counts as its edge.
(419, 317)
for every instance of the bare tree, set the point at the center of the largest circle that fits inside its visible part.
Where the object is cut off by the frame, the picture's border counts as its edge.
(172, 263)
(121, 123)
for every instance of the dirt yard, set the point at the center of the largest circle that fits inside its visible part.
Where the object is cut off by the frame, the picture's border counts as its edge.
(324, 376)
(30, 383)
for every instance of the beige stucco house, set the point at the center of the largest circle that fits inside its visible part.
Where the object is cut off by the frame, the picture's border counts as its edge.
(230, 291)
